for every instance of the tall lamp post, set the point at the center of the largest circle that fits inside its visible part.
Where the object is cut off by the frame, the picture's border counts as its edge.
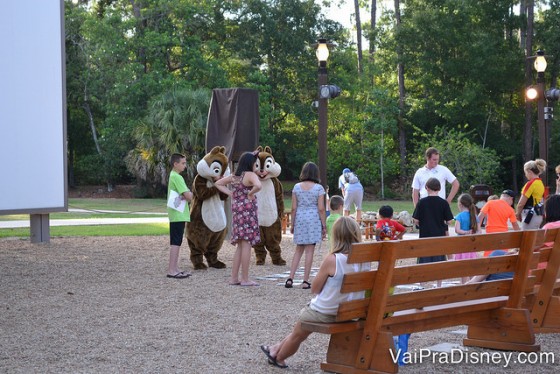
(544, 112)
(322, 53)
(540, 67)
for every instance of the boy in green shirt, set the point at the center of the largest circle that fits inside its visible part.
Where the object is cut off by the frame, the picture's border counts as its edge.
(177, 218)
(336, 204)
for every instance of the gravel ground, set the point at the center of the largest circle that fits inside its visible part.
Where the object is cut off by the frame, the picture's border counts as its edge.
(90, 305)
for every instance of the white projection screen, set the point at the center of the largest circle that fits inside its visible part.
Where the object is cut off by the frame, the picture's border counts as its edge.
(32, 107)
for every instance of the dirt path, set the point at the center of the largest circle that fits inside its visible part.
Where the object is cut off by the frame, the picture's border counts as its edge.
(89, 305)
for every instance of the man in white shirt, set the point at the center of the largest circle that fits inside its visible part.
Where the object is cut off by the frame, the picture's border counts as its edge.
(352, 191)
(342, 181)
(433, 169)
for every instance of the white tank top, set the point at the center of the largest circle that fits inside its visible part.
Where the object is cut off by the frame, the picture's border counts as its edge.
(329, 298)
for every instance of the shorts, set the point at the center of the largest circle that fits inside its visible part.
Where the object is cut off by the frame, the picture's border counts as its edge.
(176, 233)
(353, 197)
(534, 223)
(309, 315)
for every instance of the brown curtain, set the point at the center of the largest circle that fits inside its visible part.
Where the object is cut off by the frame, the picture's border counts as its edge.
(233, 121)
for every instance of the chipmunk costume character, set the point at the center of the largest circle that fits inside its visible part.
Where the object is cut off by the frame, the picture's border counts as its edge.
(271, 208)
(207, 229)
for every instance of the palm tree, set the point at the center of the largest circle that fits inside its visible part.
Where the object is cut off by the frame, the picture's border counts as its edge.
(176, 123)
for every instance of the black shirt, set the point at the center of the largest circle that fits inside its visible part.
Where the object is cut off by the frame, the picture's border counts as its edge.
(433, 212)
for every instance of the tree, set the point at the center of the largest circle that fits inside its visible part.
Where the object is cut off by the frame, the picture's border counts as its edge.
(373, 23)
(402, 93)
(359, 35)
(470, 163)
(176, 123)
(529, 7)
(442, 63)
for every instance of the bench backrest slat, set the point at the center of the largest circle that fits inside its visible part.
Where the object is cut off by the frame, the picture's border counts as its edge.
(436, 296)
(371, 251)
(453, 269)
(365, 252)
(457, 244)
(464, 314)
(362, 281)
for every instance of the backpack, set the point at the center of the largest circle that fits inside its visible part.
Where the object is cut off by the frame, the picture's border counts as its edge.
(351, 178)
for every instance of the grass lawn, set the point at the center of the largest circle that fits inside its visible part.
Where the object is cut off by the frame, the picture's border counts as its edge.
(93, 208)
(374, 205)
(142, 229)
(128, 206)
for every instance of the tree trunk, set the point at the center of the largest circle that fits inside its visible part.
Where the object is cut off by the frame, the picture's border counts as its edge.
(92, 126)
(142, 23)
(71, 177)
(522, 30)
(373, 21)
(402, 94)
(359, 36)
(528, 127)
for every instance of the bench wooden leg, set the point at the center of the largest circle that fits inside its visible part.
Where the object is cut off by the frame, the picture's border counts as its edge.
(507, 329)
(343, 353)
(551, 320)
(343, 348)
(382, 362)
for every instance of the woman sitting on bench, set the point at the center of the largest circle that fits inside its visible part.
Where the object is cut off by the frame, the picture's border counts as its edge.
(326, 288)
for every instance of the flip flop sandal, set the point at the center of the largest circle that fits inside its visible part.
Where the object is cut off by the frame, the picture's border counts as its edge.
(305, 285)
(179, 275)
(272, 360)
(289, 283)
(275, 363)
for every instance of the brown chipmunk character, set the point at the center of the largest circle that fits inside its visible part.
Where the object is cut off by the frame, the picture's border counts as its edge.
(207, 229)
(271, 207)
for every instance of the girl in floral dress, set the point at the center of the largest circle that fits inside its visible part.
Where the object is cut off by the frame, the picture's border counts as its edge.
(244, 185)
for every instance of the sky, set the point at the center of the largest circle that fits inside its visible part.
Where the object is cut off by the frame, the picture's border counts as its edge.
(345, 15)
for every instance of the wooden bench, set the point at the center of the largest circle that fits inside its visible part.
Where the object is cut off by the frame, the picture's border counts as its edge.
(493, 311)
